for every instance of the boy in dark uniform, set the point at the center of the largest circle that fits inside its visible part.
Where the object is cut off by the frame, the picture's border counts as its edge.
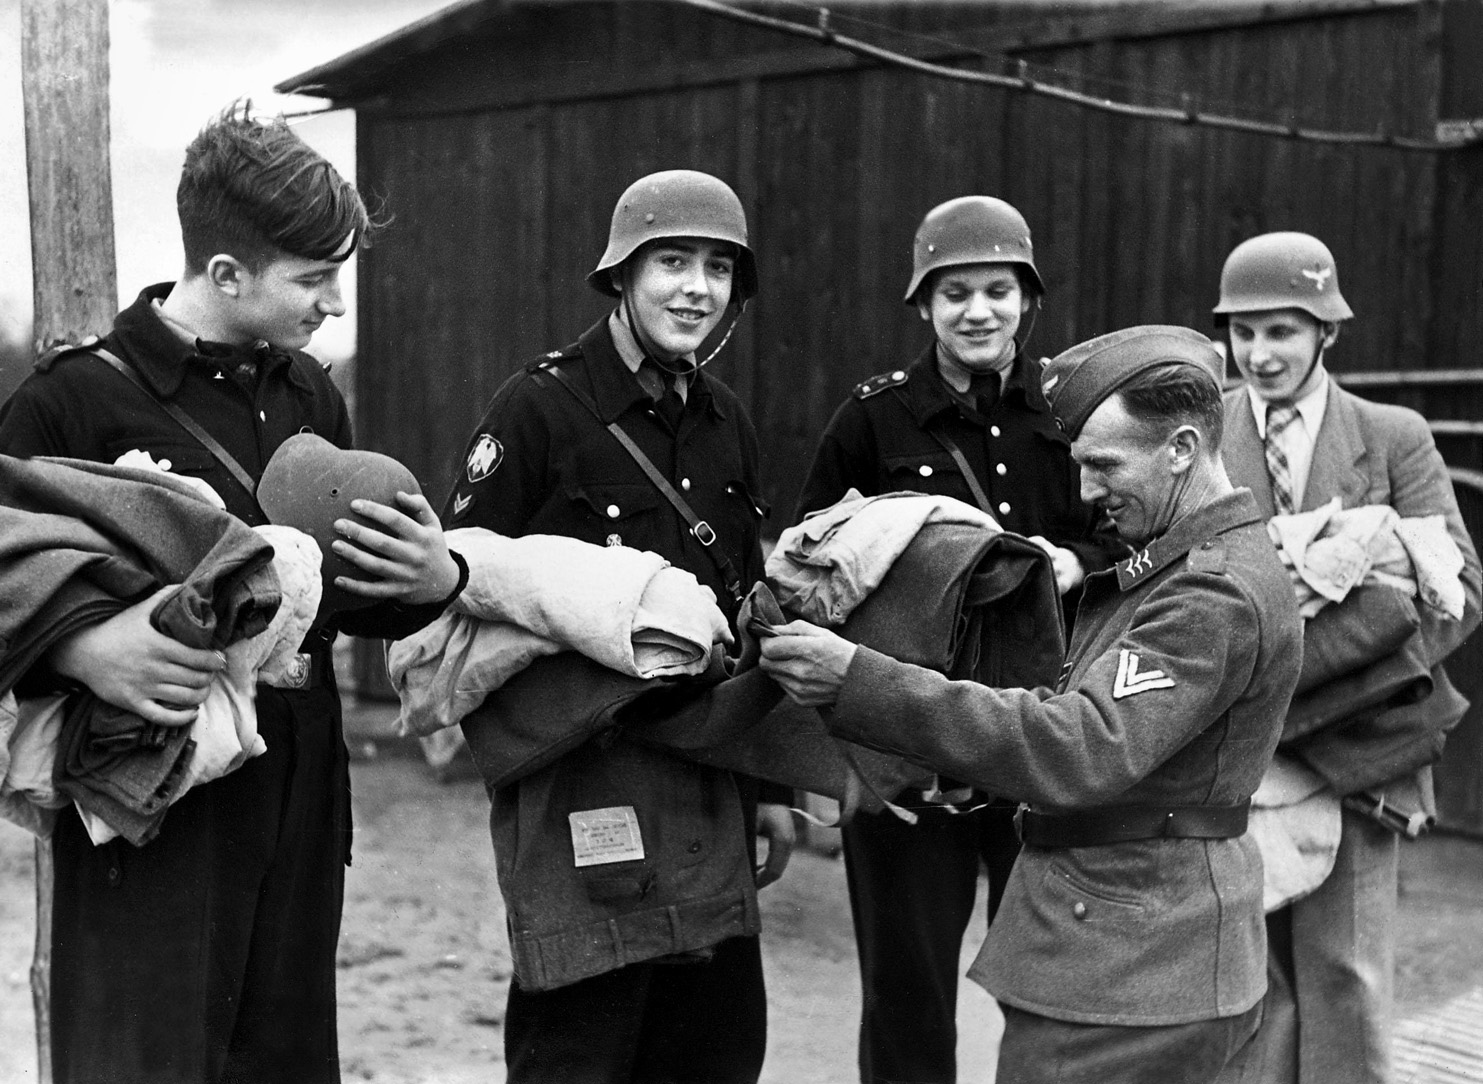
(544, 461)
(209, 953)
(966, 419)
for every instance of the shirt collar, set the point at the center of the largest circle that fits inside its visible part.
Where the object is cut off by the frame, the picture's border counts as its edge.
(615, 383)
(632, 354)
(1311, 406)
(161, 354)
(1220, 515)
(930, 394)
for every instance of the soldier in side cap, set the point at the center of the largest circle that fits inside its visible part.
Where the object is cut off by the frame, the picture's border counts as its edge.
(1299, 440)
(1129, 946)
(965, 419)
(680, 996)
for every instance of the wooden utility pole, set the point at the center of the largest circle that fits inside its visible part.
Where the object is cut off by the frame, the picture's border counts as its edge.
(64, 80)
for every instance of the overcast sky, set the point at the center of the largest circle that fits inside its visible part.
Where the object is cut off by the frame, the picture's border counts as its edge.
(173, 64)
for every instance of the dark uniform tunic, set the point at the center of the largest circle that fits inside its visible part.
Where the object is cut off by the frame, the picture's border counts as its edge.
(541, 463)
(210, 950)
(912, 886)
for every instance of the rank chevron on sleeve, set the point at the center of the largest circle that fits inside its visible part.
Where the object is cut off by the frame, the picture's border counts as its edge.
(1129, 682)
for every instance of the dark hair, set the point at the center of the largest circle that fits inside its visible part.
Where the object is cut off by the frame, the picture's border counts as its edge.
(1176, 393)
(253, 189)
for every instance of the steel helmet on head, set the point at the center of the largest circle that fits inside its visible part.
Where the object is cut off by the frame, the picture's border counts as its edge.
(676, 203)
(972, 229)
(1285, 270)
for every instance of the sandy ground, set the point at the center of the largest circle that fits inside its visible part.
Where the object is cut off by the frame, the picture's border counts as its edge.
(424, 967)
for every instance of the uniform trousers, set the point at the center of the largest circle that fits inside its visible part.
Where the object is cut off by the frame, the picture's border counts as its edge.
(1330, 970)
(208, 955)
(912, 890)
(656, 1022)
(1039, 1050)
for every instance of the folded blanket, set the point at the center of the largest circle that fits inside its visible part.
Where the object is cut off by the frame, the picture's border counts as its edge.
(224, 735)
(824, 567)
(628, 610)
(1332, 549)
(1296, 823)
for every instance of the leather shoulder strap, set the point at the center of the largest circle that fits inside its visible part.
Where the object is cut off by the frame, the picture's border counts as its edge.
(699, 528)
(184, 420)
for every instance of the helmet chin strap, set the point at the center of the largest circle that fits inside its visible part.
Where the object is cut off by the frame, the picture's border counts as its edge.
(1034, 314)
(1312, 365)
(678, 367)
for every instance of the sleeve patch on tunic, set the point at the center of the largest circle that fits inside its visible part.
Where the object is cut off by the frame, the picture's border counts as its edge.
(1130, 680)
(485, 458)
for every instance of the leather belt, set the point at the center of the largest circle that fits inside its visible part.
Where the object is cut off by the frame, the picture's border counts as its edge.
(305, 670)
(1123, 824)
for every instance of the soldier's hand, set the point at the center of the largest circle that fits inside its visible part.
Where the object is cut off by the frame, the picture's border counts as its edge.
(775, 824)
(1068, 566)
(130, 664)
(406, 559)
(808, 662)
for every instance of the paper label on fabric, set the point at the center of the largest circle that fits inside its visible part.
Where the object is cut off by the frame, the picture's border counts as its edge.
(600, 836)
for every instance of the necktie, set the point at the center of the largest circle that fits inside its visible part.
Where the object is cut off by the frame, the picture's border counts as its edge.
(669, 405)
(1278, 419)
(984, 391)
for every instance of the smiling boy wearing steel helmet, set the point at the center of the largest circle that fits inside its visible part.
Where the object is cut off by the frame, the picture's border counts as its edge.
(966, 419)
(680, 993)
(1298, 440)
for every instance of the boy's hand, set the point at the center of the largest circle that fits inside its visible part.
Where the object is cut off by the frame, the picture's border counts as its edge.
(775, 824)
(407, 558)
(130, 664)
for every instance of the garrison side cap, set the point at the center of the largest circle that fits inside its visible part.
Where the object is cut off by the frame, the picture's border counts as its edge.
(1077, 380)
(676, 203)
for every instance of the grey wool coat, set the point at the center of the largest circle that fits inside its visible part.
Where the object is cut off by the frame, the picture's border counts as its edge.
(1173, 693)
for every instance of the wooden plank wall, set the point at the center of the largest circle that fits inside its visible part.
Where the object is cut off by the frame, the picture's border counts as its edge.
(499, 213)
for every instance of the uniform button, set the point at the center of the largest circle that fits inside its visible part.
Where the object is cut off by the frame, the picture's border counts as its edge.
(262, 416)
(1003, 508)
(993, 430)
(694, 847)
(1079, 910)
(999, 469)
(612, 511)
(685, 484)
(114, 874)
(898, 375)
(925, 471)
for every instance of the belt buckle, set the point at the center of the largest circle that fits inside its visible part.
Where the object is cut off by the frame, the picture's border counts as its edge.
(296, 674)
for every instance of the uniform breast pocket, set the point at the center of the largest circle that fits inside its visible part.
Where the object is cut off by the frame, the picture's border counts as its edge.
(617, 513)
(924, 472)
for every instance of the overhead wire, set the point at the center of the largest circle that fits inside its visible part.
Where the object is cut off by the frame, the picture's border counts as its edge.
(1187, 113)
